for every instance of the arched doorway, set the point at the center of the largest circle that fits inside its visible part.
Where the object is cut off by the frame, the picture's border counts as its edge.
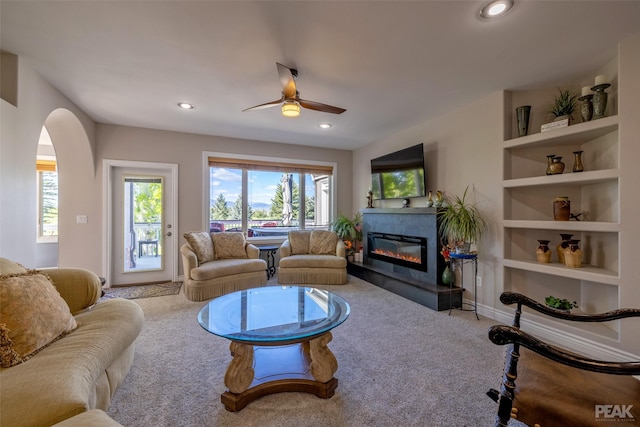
(47, 202)
(75, 166)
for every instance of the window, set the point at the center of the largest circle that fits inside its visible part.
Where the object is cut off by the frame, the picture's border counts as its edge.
(47, 179)
(266, 199)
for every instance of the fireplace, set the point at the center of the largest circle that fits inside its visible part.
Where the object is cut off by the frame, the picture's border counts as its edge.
(401, 255)
(408, 251)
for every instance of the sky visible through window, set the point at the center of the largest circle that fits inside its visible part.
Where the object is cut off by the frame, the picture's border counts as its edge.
(262, 186)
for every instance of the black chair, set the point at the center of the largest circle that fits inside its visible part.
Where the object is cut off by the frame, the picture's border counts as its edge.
(556, 387)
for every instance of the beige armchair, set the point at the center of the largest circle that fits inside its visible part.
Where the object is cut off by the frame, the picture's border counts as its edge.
(220, 263)
(312, 257)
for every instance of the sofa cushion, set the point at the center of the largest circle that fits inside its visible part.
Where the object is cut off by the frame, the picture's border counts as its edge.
(66, 373)
(32, 315)
(200, 242)
(299, 241)
(8, 267)
(323, 242)
(229, 245)
(313, 261)
(227, 267)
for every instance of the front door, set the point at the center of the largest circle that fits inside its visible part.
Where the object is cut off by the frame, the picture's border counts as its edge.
(142, 225)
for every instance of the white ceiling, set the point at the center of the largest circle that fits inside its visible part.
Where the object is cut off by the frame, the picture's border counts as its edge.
(391, 64)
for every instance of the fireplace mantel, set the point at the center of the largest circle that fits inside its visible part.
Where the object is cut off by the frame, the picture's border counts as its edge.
(387, 211)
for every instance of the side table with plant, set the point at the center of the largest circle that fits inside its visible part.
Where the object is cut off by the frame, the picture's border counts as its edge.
(349, 230)
(460, 223)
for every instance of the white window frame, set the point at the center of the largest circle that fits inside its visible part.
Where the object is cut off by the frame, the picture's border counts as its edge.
(263, 240)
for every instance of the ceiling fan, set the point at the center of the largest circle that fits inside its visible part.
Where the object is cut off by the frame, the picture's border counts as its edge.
(290, 100)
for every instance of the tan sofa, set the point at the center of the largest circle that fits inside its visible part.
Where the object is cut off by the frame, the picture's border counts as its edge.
(219, 263)
(312, 257)
(78, 372)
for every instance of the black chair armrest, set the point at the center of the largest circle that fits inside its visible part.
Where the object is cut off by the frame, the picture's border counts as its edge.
(509, 298)
(501, 335)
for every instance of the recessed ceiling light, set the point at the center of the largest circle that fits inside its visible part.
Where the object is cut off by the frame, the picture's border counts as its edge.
(495, 8)
(324, 125)
(185, 105)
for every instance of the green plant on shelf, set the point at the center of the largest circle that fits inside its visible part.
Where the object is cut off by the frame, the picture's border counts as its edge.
(564, 103)
(560, 303)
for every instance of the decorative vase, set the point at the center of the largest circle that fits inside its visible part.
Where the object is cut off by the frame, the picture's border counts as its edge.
(600, 100)
(561, 209)
(447, 276)
(577, 161)
(549, 163)
(522, 114)
(543, 253)
(557, 165)
(564, 244)
(430, 199)
(586, 108)
(573, 255)
(439, 199)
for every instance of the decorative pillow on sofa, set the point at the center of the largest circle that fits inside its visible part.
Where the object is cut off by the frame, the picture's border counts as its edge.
(32, 315)
(323, 242)
(299, 241)
(8, 267)
(200, 242)
(229, 245)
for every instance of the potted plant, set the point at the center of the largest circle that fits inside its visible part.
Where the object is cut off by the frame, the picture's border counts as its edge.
(349, 230)
(564, 104)
(460, 222)
(562, 304)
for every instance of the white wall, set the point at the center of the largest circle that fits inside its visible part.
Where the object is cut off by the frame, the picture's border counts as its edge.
(72, 132)
(464, 147)
(80, 170)
(185, 150)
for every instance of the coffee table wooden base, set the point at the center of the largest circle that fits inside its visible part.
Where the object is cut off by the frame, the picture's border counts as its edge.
(235, 402)
(257, 371)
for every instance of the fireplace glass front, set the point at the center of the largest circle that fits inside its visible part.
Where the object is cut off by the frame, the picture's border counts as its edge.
(407, 251)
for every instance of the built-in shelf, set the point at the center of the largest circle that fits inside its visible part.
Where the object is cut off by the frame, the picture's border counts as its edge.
(570, 135)
(528, 216)
(565, 226)
(582, 178)
(586, 272)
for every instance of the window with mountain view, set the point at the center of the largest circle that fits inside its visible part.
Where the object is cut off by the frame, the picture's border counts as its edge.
(267, 200)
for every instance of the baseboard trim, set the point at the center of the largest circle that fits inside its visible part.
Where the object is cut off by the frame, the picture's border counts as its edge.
(563, 338)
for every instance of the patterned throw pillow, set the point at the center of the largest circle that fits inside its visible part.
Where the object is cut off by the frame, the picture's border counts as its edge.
(299, 241)
(323, 242)
(200, 242)
(229, 245)
(32, 316)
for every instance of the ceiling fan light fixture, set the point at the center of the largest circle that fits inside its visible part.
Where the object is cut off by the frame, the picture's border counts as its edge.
(290, 109)
(496, 8)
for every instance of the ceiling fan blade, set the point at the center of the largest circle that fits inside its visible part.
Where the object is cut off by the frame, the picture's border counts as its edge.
(287, 79)
(311, 105)
(265, 105)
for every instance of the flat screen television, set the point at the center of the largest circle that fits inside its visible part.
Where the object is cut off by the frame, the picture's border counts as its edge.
(399, 175)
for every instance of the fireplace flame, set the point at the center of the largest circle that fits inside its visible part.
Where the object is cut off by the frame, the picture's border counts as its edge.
(396, 255)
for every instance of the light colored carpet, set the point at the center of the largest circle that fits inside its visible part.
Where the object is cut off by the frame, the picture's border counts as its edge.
(143, 291)
(400, 364)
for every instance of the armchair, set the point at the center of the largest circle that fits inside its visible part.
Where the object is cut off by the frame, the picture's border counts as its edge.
(312, 257)
(219, 263)
(556, 387)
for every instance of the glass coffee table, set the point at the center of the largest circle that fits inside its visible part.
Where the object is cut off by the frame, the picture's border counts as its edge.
(279, 337)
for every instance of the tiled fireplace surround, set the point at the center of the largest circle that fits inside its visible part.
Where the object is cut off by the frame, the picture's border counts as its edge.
(422, 286)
